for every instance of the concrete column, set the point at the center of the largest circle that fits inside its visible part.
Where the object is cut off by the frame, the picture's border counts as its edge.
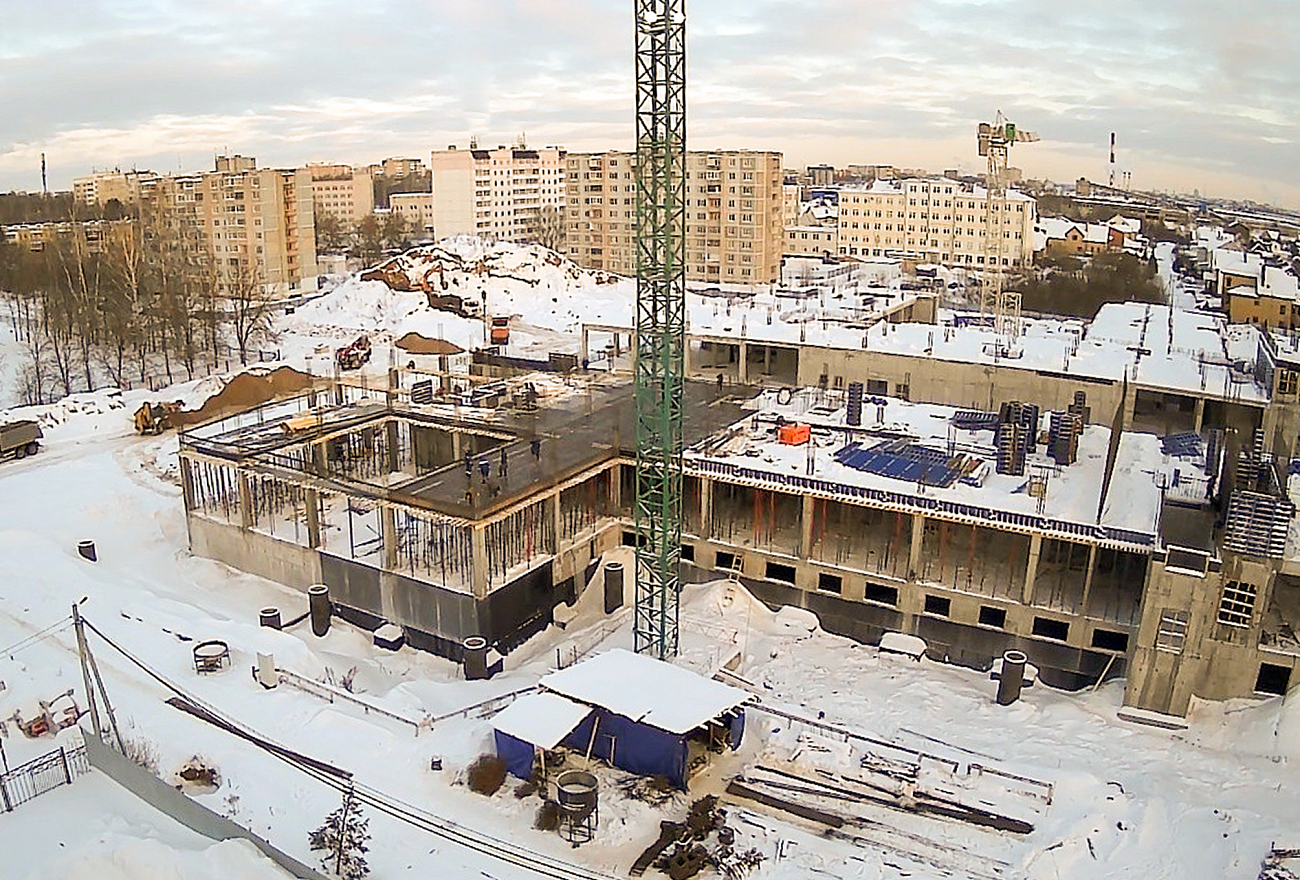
(805, 527)
(616, 487)
(388, 528)
(457, 453)
(918, 538)
(1200, 415)
(312, 502)
(1031, 570)
(706, 507)
(582, 346)
(245, 502)
(391, 435)
(1087, 579)
(743, 366)
(187, 484)
(767, 360)
(479, 572)
(554, 503)
(390, 393)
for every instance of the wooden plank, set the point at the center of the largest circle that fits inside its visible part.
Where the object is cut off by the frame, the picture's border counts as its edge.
(739, 789)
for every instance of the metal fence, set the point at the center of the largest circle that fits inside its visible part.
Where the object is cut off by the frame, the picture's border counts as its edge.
(49, 771)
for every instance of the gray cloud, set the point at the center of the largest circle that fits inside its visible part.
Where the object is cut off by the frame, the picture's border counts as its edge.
(1202, 93)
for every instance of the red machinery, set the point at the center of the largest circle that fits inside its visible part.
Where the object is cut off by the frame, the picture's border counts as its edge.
(352, 356)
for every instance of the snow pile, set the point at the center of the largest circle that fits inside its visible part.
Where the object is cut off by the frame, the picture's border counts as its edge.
(543, 293)
(117, 857)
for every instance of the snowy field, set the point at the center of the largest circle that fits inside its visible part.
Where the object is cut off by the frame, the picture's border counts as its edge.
(1128, 801)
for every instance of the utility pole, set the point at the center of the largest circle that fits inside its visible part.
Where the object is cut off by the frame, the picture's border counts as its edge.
(82, 651)
(660, 319)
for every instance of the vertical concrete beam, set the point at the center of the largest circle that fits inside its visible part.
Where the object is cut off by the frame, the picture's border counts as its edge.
(1200, 415)
(187, 483)
(554, 503)
(1031, 570)
(706, 507)
(479, 569)
(312, 502)
(392, 437)
(805, 526)
(918, 538)
(388, 529)
(582, 346)
(245, 502)
(457, 453)
(1087, 578)
(616, 487)
(743, 367)
(767, 360)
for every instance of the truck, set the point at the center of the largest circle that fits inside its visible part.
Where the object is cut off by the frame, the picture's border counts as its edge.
(19, 438)
(154, 418)
(353, 355)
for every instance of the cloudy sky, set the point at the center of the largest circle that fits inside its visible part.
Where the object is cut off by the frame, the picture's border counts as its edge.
(1204, 94)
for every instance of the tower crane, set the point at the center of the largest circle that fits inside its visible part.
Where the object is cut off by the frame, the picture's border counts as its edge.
(660, 319)
(995, 142)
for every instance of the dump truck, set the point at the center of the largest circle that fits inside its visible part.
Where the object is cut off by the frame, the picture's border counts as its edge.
(154, 418)
(19, 438)
(353, 355)
(500, 334)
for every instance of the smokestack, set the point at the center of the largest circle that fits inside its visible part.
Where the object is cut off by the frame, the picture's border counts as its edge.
(45, 187)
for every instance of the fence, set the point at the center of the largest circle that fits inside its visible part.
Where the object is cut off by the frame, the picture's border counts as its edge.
(36, 777)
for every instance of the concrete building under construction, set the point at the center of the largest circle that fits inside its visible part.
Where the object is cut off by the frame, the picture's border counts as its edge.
(1124, 516)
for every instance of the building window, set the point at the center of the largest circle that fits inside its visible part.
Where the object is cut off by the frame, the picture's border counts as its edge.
(1286, 382)
(1237, 604)
(1051, 629)
(938, 605)
(1273, 679)
(881, 593)
(1172, 632)
(1109, 640)
(778, 572)
(830, 583)
(990, 616)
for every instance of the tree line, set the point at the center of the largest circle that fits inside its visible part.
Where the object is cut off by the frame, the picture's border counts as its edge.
(116, 303)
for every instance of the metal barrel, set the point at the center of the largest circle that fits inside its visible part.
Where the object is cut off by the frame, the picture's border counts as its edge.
(475, 658)
(86, 549)
(613, 587)
(318, 598)
(1013, 675)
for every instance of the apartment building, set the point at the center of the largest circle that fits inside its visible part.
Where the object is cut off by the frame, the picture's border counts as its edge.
(245, 218)
(506, 194)
(398, 167)
(417, 210)
(935, 220)
(346, 192)
(734, 229)
(100, 187)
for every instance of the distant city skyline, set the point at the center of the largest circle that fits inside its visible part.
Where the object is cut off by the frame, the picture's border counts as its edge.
(1203, 95)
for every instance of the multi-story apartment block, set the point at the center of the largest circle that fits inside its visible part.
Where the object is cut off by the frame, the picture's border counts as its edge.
(936, 220)
(100, 187)
(734, 230)
(398, 167)
(246, 219)
(416, 209)
(507, 194)
(346, 192)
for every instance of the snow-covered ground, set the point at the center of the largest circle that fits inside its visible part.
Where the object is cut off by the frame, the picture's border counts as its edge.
(1129, 801)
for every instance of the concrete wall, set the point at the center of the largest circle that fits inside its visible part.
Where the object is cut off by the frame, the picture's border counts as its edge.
(1217, 661)
(281, 561)
(190, 813)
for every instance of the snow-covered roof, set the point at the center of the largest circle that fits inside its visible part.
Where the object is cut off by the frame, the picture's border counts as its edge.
(646, 690)
(1279, 284)
(540, 719)
(1236, 262)
(1129, 515)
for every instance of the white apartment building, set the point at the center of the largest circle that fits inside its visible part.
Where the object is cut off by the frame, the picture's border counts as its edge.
(935, 220)
(346, 192)
(507, 194)
(417, 210)
(246, 219)
(98, 188)
(734, 229)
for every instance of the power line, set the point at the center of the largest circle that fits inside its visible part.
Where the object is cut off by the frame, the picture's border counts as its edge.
(416, 817)
(40, 636)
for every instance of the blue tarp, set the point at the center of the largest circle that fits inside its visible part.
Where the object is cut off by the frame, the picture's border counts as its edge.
(637, 748)
(517, 754)
(737, 728)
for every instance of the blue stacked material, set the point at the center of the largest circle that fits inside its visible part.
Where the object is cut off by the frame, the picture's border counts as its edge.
(854, 410)
(1029, 418)
(1182, 445)
(1295, 466)
(974, 420)
(900, 460)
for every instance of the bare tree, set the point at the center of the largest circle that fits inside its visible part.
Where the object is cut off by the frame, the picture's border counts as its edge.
(248, 304)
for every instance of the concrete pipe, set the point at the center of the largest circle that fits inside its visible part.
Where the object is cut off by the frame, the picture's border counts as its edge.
(267, 677)
(86, 549)
(475, 658)
(1013, 675)
(269, 618)
(318, 598)
(613, 587)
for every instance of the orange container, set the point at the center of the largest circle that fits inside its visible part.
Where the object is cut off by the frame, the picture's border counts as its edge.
(794, 435)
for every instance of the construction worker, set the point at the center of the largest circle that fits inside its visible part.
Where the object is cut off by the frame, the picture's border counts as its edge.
(536, 447)
(484, 468)
(505, 463)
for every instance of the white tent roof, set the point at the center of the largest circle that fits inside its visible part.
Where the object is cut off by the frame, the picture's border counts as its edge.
(540, 719)
(646, 690)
